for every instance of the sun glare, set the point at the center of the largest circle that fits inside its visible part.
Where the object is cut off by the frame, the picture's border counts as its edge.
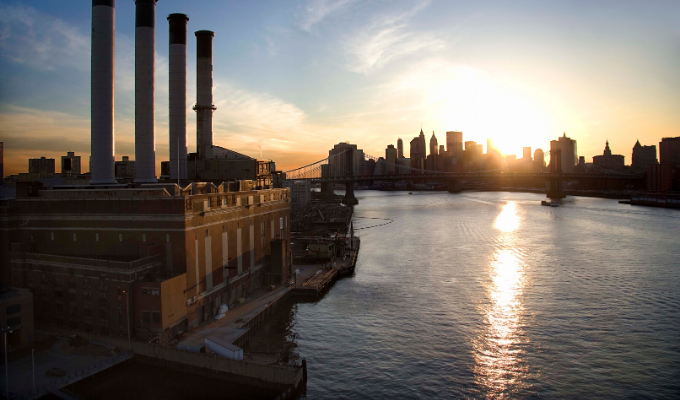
(508, 220)
(468, 100)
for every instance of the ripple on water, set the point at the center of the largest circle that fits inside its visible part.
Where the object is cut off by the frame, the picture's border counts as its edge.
(449, 301)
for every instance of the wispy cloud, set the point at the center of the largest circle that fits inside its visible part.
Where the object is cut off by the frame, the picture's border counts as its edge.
(41, 41)
(317, 10)
(389, 38)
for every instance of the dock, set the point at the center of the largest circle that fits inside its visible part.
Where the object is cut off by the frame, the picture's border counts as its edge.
(313, 279)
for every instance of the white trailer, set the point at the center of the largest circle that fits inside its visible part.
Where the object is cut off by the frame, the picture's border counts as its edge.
(224, 348)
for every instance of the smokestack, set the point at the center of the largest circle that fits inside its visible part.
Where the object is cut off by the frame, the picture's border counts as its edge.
(145, 156)
(178, 95)
(101, 92)
(204, 100)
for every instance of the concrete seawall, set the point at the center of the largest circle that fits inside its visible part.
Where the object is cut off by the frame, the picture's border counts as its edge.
(282, 377)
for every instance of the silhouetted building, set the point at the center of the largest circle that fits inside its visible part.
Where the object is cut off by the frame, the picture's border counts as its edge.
(434, 147)
(125, 169)
(41, 165)
(165, 170)
(568, 153)
(454, 144)
(669, 151)
(400, 148)
(380, 168)
(526, 153)
(368, 167)
(418, 151)
(660, 177)
(337, 159)
(2, 158)
(581, 166)
(473, 151)
(643, 156)
(70, 164)
(404, 166)
(539, 161)
(608, 160)
(390, 160)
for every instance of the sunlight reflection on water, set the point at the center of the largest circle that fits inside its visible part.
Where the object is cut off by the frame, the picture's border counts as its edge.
(497, 352)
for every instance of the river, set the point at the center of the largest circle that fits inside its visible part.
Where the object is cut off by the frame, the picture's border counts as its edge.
(491, 295)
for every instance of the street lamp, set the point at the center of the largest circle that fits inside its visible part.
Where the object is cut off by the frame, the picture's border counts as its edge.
(6, 331)
(127, 311)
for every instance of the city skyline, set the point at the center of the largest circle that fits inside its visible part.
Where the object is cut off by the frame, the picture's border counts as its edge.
(302, 76)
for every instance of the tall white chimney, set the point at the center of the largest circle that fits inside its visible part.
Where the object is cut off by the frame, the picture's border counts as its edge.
(178, 95)
(145, 152)
(101, 92)
(204, 99)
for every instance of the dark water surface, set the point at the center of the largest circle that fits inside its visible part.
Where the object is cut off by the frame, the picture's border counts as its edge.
(492, 295)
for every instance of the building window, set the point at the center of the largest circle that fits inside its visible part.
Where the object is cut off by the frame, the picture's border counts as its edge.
(13, 309)
(120, 237)
(104, 330)
(88, 312)
(155, 291)
(96, 236)
(13, 321)
(88, 327)
(144, 237)
(167, 238)
(156, 317)
(146, 317)
(145, 290)
(103, 314)
(52, 235)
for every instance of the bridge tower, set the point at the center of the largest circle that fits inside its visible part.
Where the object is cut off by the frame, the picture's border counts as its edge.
(349, 199)
(326, 188)
(555, 190)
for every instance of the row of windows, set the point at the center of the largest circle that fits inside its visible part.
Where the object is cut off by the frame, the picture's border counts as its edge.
(96, 237)
(151, 291)
(151, 316)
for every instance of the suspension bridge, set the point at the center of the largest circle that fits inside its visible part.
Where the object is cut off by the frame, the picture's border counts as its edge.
(345, 167)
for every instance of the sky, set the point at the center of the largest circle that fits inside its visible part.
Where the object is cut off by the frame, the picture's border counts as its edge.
(292, 78)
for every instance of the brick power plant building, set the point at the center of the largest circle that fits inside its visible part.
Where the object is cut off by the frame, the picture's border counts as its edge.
(175, 256)
(163, 256)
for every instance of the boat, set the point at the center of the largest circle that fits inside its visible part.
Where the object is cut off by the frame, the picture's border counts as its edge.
(551, 203)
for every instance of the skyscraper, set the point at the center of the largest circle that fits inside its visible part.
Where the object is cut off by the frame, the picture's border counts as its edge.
(526, 153)
(70, 164)
(2, 172)
(643, 156)
(41, 165)
(669, 151)
(400, 148)
(569, 156)
(539, 160)
(418, 151)
(434, 148)
(454, 144)
(390, 160)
